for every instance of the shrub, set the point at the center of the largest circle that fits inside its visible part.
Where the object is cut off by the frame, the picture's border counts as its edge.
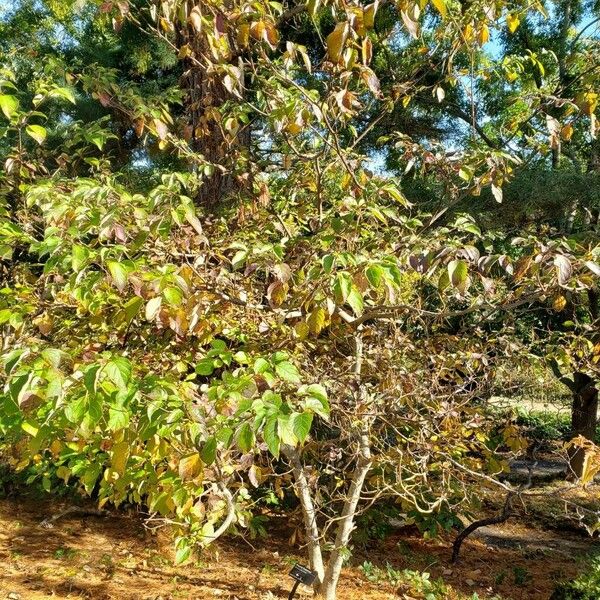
(585, 587)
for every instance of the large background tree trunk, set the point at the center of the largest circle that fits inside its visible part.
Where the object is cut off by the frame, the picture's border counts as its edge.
(206, 95)
(584, 418)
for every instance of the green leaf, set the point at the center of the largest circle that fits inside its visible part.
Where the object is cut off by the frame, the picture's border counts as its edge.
(75, 410)
(328, 262)
(355, 300)
(239, 259)
(458, 271)
(183, 553)
(90, 378)
(287, 371)
(132, 307)
(79, 257)
(209, 451)
(118, 272)
(205, 367)
(118, 418)
(12, 359)
(54, 356)
(375, 275)
(173, 295)
(285, 429)
(278, 357)
(8, 104)
(342, 287)
(118, 370)
(245, 438)
(301, 425)
(261, 365)
(37, 132)
(316, 390)
(64, 92)
(270, 436)
(317, 400)
(396, 194)
(17, 385)
(224, 436)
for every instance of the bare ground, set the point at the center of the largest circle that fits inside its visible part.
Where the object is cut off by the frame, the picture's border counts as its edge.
(116, 558)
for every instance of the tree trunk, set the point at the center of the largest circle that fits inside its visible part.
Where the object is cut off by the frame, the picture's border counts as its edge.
(206, 96)
(309, 515)
(584, 418)
(346, 524)
(363, 466)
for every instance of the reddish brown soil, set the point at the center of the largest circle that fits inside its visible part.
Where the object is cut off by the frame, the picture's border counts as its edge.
(116, 558)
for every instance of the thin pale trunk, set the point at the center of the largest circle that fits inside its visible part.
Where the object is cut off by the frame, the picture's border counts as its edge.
(309, 514)
(363, 466)
(346, 523)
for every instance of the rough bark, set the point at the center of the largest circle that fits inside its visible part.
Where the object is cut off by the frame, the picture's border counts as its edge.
(584, 418)
(584, 412)
(206, 95)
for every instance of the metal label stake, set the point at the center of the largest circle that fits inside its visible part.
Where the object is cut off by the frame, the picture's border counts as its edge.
(301, 575)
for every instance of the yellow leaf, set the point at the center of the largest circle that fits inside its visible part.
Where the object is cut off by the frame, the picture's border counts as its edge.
(367, 51)
(184, 52)
(44, 323)
(468, 33)
(120, 455)
(484, 35)
(567, 132)
(336, 40)
(302, 330)
(369, 14)
(257, 30)
(559, 303)
(63, 473)
(277, 293)
(441, 7)
(316, 320)
(189, 466)
(55, 447)
(513, 22)
(243, 35)
(30, 428)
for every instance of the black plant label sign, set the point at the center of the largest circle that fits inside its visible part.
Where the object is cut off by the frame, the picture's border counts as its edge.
(302, 574)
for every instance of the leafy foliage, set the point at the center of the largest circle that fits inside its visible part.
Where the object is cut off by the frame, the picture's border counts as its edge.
(208, 292)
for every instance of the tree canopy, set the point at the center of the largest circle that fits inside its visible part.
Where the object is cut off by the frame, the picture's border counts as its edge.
(255, 251)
